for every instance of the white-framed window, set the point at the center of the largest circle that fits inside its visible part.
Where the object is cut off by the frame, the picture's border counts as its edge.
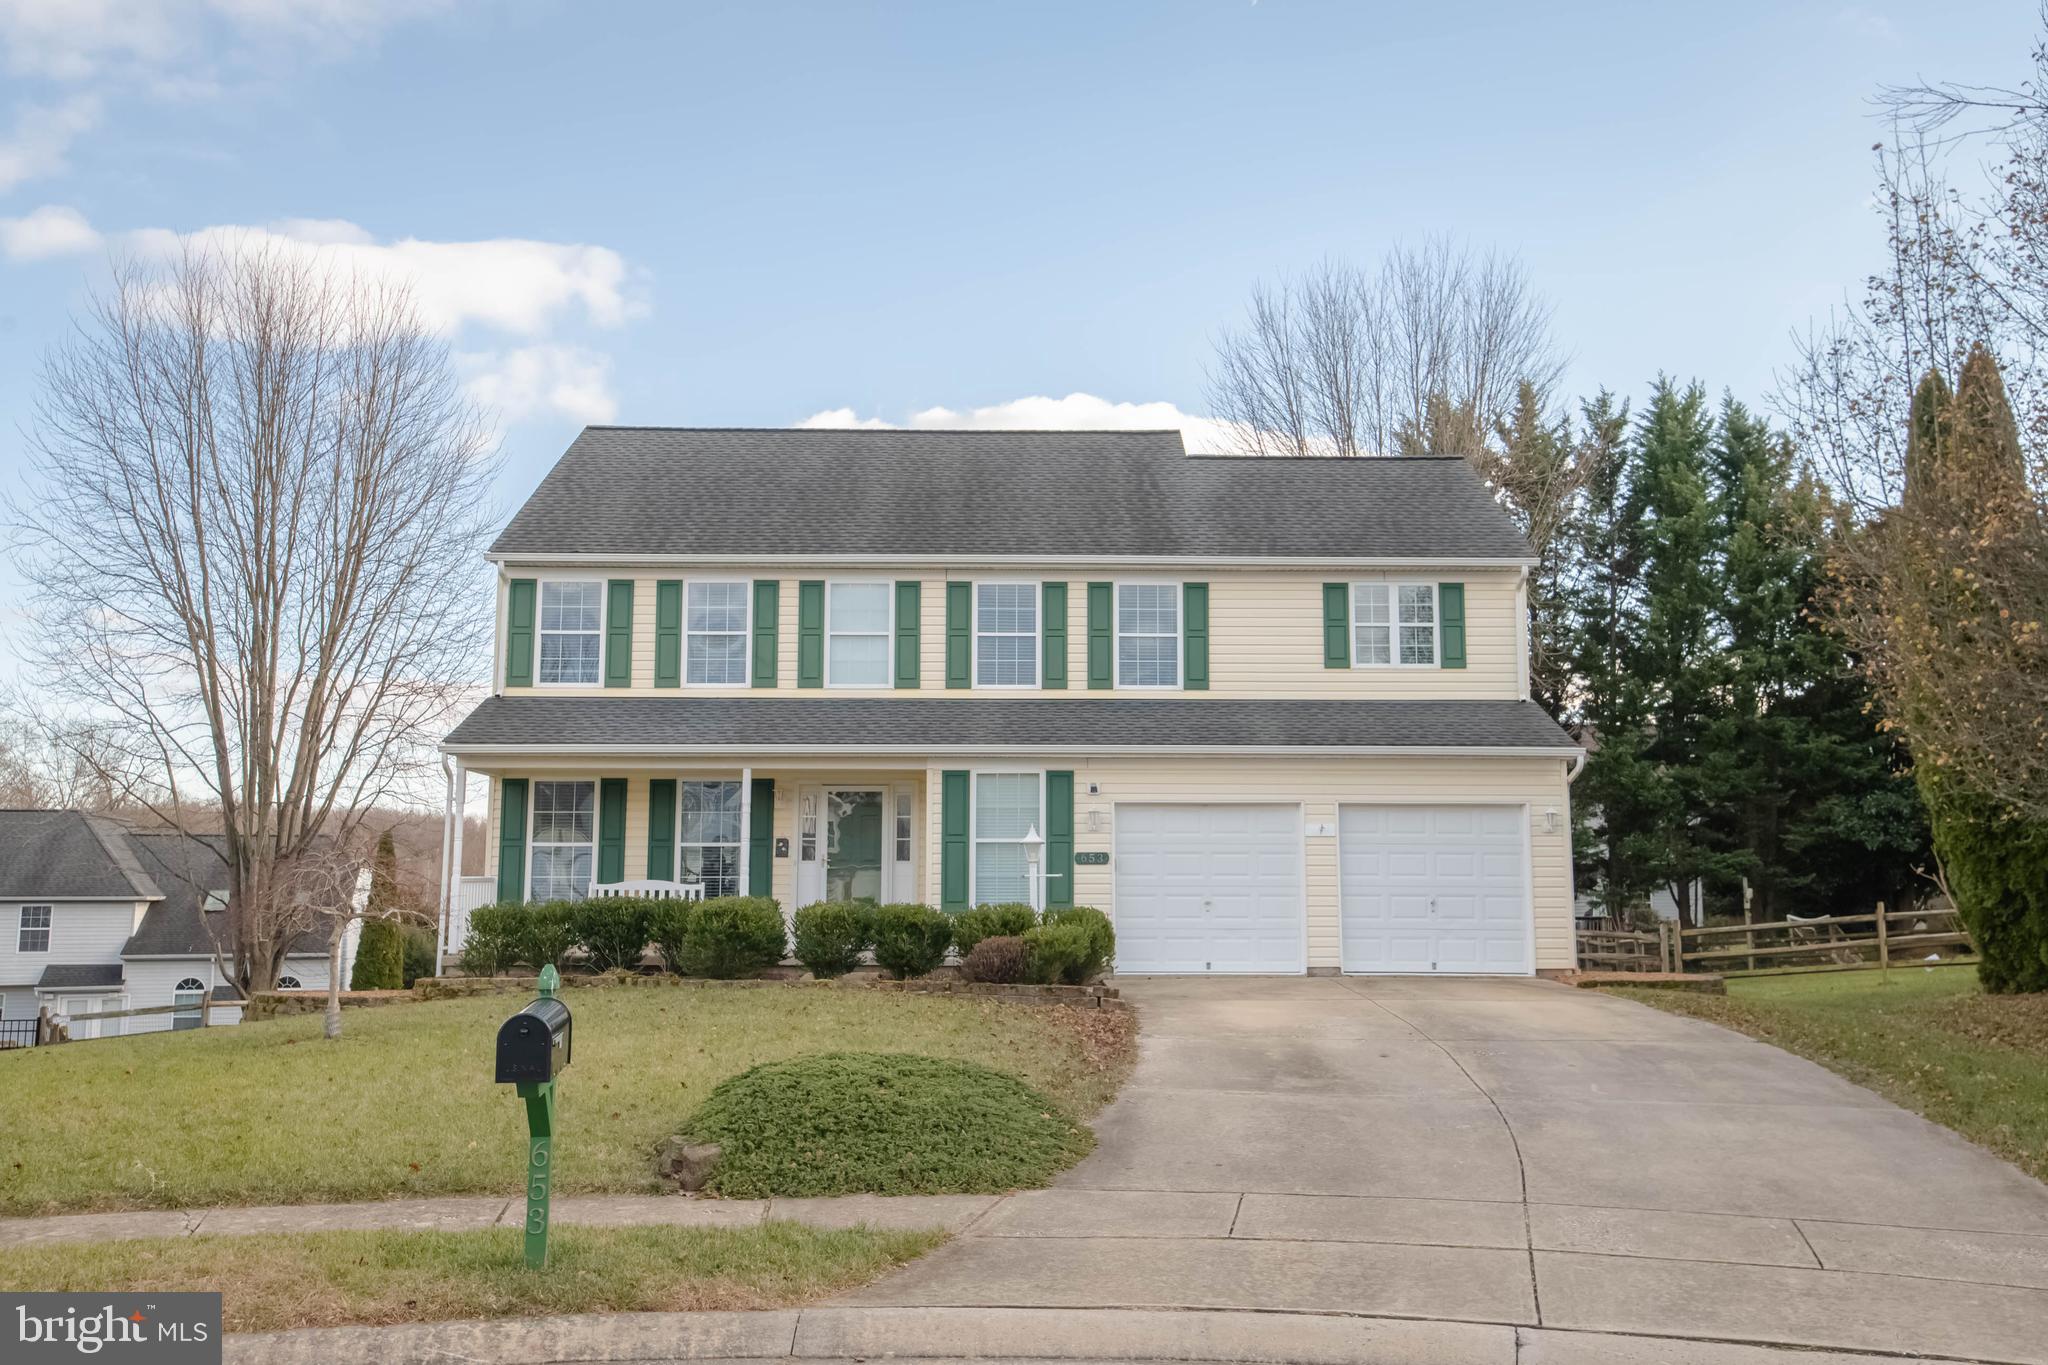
(563, 841)
(1148, 635)
(904, 802)
(859, 621)
(571, 632)
(288, 982)
(1006, 635)
(186, 998)
(34, 934)
(1393, 624)
(708, 839)
(1006, 807)
(715, 632)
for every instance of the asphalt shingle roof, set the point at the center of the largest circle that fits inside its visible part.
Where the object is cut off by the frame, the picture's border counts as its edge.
(80, 975)
(63, 854)
(767, 492)
(960, 722)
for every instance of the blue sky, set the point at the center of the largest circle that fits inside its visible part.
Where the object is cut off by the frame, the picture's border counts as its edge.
(755, 213)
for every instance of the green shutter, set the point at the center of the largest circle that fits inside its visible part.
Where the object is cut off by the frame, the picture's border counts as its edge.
(810, 633)
(1101, 635)
(761, 839)
(959, 635)
(618, 633)
(909, 594)
(1194, 636)
(668, 633)
(512, 838)
(661, 829)
(519, 601)
(767, 614)
(1450, 608)
(1053, 616)
(611, 831)
(1059, 840)
(953, 840)
(1336, 625)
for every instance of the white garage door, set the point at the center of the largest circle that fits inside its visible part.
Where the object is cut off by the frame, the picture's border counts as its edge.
(1434, 889)
(1208, 889)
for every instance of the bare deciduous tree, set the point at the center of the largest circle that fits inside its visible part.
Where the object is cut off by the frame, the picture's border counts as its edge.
(251, 534)
(1342, 360)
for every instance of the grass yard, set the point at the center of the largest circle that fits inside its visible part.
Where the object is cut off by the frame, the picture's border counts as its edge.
(404, 1103)
(326, 1279)
(1927, 1039)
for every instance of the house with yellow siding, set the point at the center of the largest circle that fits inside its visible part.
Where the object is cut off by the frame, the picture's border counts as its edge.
(1271, 715)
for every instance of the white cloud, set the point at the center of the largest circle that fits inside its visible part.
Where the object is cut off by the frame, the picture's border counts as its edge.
(42, 133)
(507, 283)
(52, 230)
(78, 40)
(519, 383)
(1076, 411)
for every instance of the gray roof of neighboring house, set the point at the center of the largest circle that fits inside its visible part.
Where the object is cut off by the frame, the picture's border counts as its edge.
(776, 492)
(189, 867)
(80, 975)
(776, 723)
(67, 855)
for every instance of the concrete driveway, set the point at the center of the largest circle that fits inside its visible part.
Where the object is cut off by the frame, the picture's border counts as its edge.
(1511, 1151)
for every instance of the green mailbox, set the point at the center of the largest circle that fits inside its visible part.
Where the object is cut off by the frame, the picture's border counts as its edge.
(533, 1047)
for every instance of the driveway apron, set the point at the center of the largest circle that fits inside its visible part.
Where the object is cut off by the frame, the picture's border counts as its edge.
(1510, 1151)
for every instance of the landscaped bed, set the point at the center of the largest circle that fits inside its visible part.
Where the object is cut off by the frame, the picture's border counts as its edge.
(404, 1103)
(325, 1279)
(1925, 1038)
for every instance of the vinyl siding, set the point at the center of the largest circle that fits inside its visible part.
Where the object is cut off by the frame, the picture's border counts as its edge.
(1265, 632)
(1319, 785)
(80, 932)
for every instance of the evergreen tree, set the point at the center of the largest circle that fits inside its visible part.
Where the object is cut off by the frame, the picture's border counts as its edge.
(380, 952)
(1538, 471)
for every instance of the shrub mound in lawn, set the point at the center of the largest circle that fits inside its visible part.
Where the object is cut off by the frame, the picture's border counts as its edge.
(882, 1123)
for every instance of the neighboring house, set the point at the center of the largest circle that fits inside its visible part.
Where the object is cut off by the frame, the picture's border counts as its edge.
(1270, 714)
(96, 917)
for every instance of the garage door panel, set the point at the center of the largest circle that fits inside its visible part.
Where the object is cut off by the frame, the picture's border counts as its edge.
(1433, 889)
(1208, 888)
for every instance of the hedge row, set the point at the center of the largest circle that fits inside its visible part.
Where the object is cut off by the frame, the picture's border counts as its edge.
(735, 936)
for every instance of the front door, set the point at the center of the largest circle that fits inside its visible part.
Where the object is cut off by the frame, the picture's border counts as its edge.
(853, 844)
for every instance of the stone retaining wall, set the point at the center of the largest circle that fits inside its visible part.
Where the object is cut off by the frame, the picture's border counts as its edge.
(280, 1004)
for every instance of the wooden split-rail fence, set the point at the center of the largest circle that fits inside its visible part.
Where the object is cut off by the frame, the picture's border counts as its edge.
(1878, 939)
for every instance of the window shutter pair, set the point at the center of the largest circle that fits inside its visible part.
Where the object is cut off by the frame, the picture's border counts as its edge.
(1052, 620)
(1450, 611)
(521, 596)
(955, 791)
(1194, 636)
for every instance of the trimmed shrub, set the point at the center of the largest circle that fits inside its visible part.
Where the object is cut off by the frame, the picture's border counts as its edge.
(733, 936)
(491, 943)
(831, 936)
(421, 955)
(1072, 947)
(667, 922)
(972, 926)
(380, 957)
(882, 1123)
(614, 930)
(911, 940)
(998, 958)
(544, 934)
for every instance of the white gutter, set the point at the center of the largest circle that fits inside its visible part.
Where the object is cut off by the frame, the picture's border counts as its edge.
(832, 751)
(545, 558)
(1578, 766)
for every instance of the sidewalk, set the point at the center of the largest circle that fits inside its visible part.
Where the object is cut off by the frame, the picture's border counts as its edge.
(950, 1211)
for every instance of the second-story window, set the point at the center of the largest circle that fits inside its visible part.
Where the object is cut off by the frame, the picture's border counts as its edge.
(571, 631)
(1393, 623)
(1006, 635)
(1148, 635)
(34, 935)
(857, 623)
(715, 627)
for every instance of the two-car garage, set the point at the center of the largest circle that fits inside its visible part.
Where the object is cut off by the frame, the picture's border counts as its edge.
(1203, 888)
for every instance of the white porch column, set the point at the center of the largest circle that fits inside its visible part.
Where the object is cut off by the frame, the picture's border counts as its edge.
(455, 861)
(746, 831)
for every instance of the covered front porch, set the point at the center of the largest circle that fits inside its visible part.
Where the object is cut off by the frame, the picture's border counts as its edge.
(799, 832)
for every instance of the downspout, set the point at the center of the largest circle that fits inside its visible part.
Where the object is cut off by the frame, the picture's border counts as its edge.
(447, 849)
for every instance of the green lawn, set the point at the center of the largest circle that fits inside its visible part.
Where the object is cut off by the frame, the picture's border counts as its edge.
(404, 1103)
(325, 1279)
(1927, 1039)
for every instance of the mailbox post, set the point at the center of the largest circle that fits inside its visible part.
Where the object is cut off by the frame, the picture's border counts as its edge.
(533, 1046)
